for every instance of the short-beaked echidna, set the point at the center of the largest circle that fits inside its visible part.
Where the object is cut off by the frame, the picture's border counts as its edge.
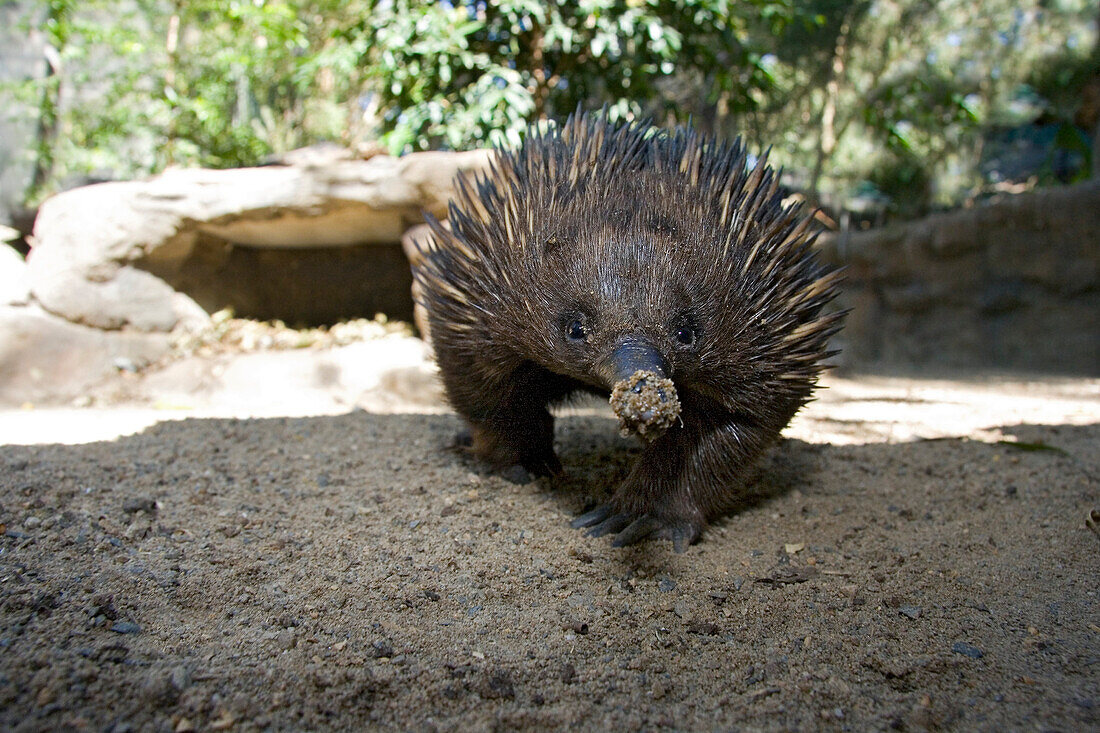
(653, 267)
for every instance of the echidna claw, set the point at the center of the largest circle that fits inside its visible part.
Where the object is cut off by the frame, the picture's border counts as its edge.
(630, 529)
(594, 516)
(636, 531)
(611, 525)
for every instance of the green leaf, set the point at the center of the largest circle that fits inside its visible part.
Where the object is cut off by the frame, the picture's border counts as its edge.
(1031, 447)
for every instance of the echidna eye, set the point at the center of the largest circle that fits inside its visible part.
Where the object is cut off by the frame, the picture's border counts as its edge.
(576, 330)
(685, 335)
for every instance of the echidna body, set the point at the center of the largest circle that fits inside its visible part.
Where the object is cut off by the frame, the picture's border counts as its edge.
(597, 256)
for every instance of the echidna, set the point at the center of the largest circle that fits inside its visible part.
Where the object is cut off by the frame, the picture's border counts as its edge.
(650, 266)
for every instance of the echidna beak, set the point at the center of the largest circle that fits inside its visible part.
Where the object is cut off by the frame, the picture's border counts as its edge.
(633, 354)
(642, 395)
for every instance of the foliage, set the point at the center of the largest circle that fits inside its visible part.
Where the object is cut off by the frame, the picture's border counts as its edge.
(897, 91)
(461, 74)
(147, 84)
(886, 97)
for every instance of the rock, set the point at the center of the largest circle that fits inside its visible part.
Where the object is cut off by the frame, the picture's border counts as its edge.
(157, 688)
(389, 374)
(140, 504)
(414, 242)
(1012, 283)
(497, 685)
(967, 650)
(48, 360)
(123, 254)
(320, 154)
(703, 628)
(286, 639)
(313, 240)
(125, 296)
(13, 277)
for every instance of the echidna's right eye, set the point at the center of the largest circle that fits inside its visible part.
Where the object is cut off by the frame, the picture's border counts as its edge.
(576, 330)
(685, 335)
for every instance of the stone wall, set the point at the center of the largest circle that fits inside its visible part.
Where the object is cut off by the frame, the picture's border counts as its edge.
(1012, 284)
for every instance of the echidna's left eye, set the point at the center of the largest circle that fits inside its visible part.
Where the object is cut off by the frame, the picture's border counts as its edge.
(685, 335)
(576, 330)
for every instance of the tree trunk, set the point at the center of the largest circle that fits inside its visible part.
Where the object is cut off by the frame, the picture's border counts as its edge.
(538, 72)
(171, 47)
(827, 138)
(49, 109)
(1096, 129)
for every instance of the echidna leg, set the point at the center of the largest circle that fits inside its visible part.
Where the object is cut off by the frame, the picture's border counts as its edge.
(504, 440)
(681, 480)
(512, 426)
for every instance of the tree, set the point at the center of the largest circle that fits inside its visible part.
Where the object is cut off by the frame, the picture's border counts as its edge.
(471, 73)
(895, 97)
(147, 84)
(898, 93)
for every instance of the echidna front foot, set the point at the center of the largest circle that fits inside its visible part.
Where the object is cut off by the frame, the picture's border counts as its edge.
(630, 528)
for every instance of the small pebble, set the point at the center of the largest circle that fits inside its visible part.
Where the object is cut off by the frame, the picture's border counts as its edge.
(285, 639)
(181, 678)
(968, 650)
(139, 504)
(125, 627)
(703, 628)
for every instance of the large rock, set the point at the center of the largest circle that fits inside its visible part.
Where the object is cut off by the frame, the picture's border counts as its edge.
(414, 244)
(13, 277)
(117, 255)
(48, 360)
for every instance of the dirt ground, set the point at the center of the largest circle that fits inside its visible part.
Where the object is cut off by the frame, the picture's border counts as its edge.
(915, 555)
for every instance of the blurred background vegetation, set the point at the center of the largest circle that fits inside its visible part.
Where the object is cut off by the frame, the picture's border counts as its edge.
(877, 108)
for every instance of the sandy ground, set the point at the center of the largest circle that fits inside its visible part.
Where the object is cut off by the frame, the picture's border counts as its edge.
(914, 555)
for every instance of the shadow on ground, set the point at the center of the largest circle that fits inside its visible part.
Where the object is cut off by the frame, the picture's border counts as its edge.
(341, 571)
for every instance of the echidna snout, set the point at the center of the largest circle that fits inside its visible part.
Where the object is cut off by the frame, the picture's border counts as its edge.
(642, 396)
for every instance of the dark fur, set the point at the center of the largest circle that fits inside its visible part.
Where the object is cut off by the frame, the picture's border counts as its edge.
(642, 233)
